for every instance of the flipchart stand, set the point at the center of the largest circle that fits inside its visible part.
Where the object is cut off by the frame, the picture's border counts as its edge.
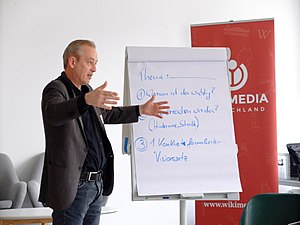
(174, 73)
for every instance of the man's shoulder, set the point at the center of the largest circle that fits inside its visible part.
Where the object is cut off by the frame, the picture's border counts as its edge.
(57, 83)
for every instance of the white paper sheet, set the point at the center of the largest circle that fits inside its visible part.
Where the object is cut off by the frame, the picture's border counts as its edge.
(191, 150)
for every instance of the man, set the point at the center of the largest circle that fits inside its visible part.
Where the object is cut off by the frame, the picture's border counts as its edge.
(78, 166)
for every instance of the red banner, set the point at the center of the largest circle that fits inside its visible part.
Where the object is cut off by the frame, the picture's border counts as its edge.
(252, 81)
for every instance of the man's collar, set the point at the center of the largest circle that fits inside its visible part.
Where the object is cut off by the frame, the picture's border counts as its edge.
(84, 88)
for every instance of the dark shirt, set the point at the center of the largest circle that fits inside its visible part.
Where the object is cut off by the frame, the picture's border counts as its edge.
(95, 159)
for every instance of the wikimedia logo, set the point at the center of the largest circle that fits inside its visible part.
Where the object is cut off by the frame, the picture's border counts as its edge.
(243, 102)
(238, 74)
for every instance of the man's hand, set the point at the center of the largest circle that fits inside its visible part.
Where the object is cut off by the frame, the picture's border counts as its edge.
(152, 108)
(102, 98)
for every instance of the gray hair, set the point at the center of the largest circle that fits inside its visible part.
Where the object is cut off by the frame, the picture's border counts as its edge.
(75, 49)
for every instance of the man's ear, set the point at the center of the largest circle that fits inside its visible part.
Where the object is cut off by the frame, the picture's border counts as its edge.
(72, 62)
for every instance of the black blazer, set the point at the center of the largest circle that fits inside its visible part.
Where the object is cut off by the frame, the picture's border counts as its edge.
(66, 146)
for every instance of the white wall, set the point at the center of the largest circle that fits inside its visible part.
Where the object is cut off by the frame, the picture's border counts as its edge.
(33, 35)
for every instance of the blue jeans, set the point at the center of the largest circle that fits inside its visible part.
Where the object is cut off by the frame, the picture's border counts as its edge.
(85, 209)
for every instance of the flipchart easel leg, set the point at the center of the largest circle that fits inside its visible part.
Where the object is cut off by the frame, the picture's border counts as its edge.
(183, 214)
(187, 212)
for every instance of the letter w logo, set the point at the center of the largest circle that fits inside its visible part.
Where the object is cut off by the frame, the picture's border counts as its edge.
(263, 34)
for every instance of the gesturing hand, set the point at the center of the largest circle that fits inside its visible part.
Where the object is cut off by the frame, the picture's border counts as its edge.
(102, 98)
(152, 108)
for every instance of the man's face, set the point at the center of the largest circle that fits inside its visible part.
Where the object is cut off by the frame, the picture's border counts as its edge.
(84, 67)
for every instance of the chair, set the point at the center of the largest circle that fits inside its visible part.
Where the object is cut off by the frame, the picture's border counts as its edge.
(12, 190)
(294, 151)
(33, 185)
(272, 209)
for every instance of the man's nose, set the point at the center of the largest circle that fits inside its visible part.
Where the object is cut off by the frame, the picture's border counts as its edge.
(94, 68)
